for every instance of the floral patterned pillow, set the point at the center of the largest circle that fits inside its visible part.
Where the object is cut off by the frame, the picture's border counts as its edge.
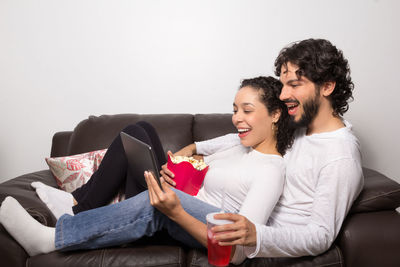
(71, 172)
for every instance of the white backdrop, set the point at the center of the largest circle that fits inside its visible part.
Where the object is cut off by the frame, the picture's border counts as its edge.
(61, 61)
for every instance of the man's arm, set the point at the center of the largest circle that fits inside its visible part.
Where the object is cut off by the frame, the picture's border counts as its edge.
(339, 185)
(263, 194)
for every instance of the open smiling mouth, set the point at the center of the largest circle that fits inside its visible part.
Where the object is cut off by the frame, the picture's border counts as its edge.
(243, 131)
(292, 107)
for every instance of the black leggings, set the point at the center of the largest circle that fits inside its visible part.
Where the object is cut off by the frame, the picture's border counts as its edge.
(114, 173)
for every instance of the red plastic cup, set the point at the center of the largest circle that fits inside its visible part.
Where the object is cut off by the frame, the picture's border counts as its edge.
(187, 178)
(217, 255)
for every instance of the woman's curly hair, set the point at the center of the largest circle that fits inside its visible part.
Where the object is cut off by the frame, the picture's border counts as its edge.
(320, 61)
(269, 89)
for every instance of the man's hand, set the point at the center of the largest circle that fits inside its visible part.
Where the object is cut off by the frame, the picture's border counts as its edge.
(240, 232)
(167, 202)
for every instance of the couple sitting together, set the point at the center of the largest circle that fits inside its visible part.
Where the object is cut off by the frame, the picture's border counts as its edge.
(288, 177)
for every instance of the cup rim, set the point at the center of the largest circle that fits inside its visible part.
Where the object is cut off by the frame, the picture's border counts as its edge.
(210, 219)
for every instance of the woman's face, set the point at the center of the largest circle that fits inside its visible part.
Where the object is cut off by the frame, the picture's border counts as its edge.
(252, 120)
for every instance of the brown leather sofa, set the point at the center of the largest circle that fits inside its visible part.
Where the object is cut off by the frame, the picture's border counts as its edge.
(370, 235)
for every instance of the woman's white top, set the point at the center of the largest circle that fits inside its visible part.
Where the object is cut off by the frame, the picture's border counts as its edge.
(250, 182)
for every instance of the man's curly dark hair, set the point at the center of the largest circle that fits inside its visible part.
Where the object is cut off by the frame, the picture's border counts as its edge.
(320, 61)
(269, 89)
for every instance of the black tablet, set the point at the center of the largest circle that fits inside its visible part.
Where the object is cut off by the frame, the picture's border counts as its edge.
(140, 158)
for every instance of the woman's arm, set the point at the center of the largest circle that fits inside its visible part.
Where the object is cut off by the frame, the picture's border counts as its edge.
(188, 151)
(217, 144)
(167, 202)
(210, 146)
(206, 148)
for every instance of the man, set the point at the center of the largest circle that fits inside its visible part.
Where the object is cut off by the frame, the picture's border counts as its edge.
(323, 167)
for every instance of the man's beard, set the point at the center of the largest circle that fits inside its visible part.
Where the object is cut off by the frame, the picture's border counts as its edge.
(310, 109)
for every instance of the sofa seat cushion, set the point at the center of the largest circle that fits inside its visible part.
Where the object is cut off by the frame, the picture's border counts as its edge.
(140, 256)
(332, 258)
(379, 193)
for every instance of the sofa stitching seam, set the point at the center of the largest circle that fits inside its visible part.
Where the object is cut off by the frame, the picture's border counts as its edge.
(193, 257)
(339, 252)
(330, 264)
(381, 195)
(102, 257)
(179, 259)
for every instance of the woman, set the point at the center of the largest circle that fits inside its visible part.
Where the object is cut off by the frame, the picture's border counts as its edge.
(248, 174)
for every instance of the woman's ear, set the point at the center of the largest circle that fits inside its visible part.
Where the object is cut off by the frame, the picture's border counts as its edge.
(327, 88)
(276, 115)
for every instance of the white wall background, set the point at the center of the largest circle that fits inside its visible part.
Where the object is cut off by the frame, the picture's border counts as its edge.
(61, 61)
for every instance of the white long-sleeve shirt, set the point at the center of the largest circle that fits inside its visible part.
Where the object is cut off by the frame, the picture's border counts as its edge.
(246, 177)
(251, 183)
(323, 178)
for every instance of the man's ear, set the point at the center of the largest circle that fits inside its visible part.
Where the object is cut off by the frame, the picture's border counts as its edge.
(327, 88)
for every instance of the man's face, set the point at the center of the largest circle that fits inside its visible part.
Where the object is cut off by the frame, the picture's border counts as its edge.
(300, 96)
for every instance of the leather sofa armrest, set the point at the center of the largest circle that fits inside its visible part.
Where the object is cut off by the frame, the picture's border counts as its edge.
(371, 239)
(60, 144)
(20, 188)
(379, 193)
(11, 253)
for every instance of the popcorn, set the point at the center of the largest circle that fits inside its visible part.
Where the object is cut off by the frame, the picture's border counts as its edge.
(197, 164)
(189, 173)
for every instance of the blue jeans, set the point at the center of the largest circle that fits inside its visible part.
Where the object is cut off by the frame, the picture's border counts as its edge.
(126, 222)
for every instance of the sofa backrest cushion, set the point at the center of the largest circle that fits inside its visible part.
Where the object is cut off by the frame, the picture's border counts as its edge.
(60, 144)
(207, 126)
(175, 130)
(178, 130)
(379, 193)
